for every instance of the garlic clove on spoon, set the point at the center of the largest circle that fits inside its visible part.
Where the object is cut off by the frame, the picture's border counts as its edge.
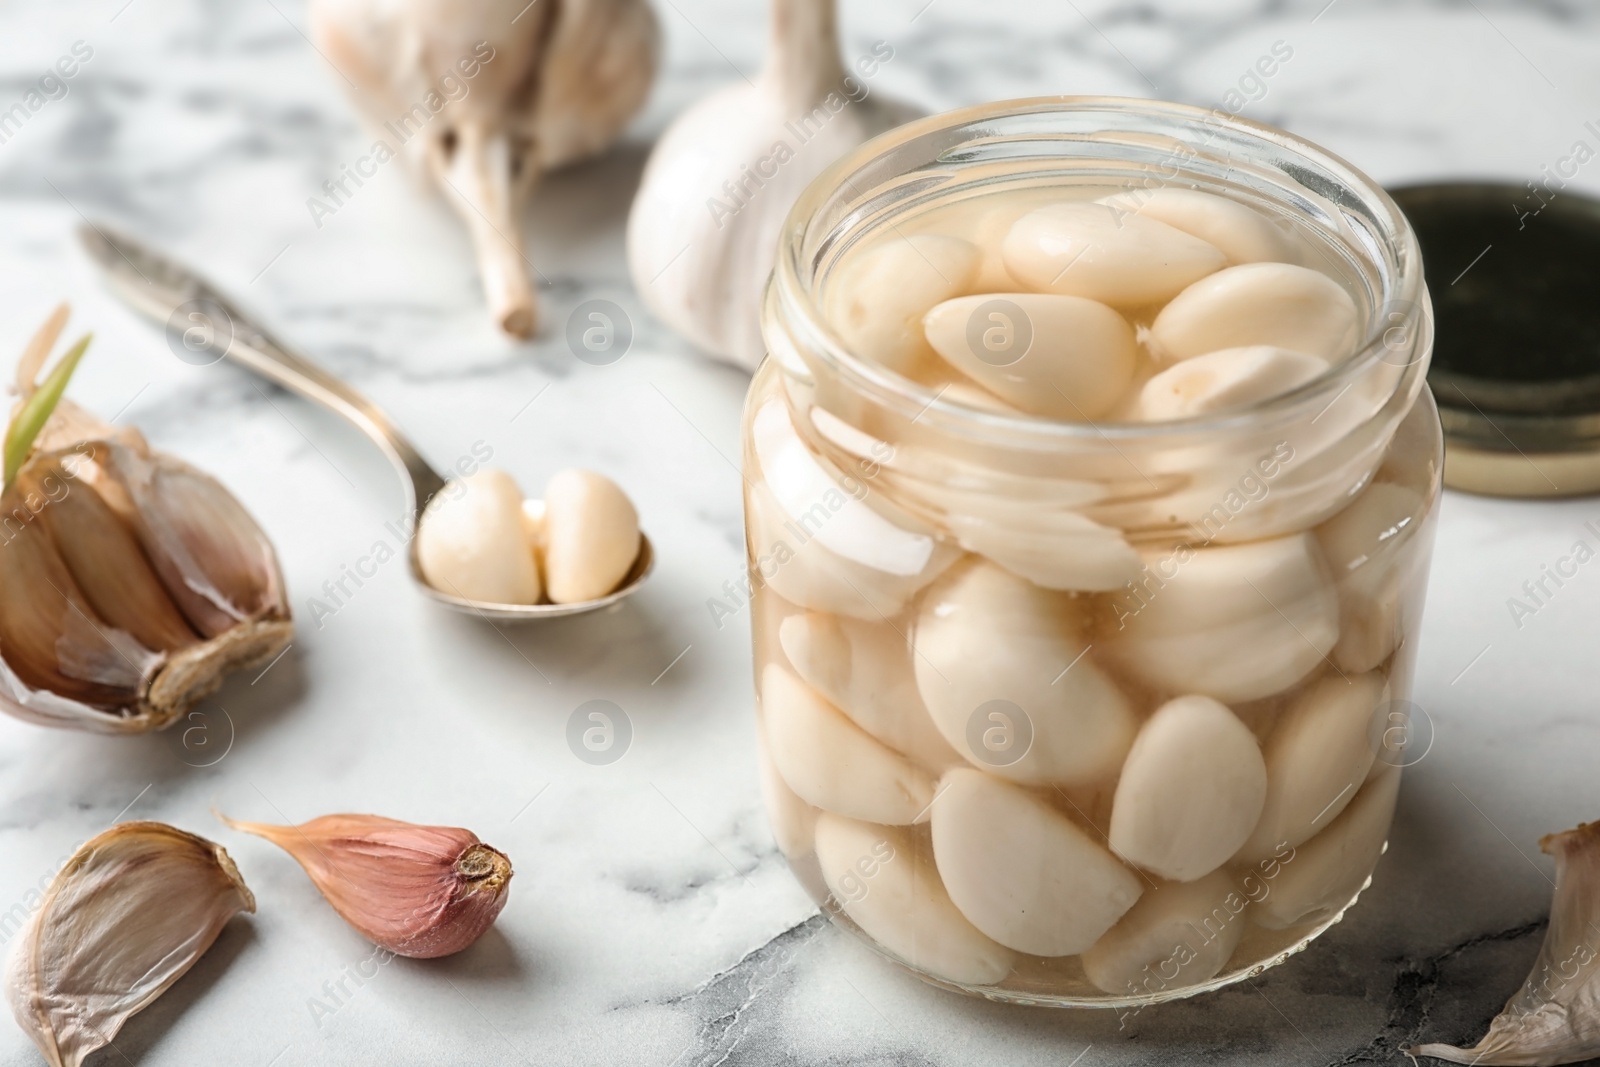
(703, 229)
(472, 542)
(128, 915)
(530, 88)
(590, 536)
(418, 891)
(1552, 1019)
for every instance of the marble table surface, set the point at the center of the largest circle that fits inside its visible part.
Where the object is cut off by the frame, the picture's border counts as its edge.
(653, 922)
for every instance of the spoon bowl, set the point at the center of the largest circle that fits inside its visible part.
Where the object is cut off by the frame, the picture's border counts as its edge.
(178, 298)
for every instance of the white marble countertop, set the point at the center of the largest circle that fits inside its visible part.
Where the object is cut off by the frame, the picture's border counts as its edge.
(653, 921)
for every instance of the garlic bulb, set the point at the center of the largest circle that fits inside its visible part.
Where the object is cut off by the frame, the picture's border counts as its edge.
(703, 230)
(124, 919)
(132, 582)
(418, 891)
(1555, 1017)
(486, 95)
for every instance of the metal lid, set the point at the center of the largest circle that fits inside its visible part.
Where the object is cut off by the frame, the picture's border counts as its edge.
(1514, 273)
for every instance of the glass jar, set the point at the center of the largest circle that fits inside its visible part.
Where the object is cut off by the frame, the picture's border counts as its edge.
(1095, 713)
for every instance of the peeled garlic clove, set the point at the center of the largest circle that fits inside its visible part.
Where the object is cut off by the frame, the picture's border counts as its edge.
(1094, 251)
(703, 230)
(833, 764)
(1243, 235)
(128, 915)
(1236, 622)
(1010, 683)
(418, 891)
(1021, 872)
(528, 91)
(878, 300)
(1275, 304)
(1318, 754)
(1551, 1019)
(1178, 934)
(590, 536)
(471, 541)
(792, 820)
(1191, 790)
(1061, 356)
(1367, 545)
(864, 669)
(885, 881)
(1052, 548)
(1323, 875)
(1224, 380)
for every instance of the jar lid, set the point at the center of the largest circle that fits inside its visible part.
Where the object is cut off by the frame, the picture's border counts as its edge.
(1514, 274)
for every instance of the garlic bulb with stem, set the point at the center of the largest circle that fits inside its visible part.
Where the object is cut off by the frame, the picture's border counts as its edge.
(1555, 1017)
(703, 230)
(127, 916)
(540, 85)
(418, 891)
(132, 582)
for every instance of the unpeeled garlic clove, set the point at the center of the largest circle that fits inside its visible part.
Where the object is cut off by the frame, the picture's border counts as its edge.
(1368, 546)
(418, 891)
(1178, 934)
(1099, 252)
(128, 915)
(540, 87)
(590, 536)
(864, 669)
(884, 879)
(1224, 380)
(1191, 790)
(472, 541)
(1021, 872)
(1243, 235)
(1000, 664)
(1236, 622)
(833, 764)
(1059, 356)
(1552, 1018)
(881, 294)
(1318, 754)
(1275, 304)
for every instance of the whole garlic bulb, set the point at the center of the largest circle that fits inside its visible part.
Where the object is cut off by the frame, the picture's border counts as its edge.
(554, 83)
(703, 230)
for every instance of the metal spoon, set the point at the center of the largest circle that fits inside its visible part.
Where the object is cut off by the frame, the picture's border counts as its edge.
(174, 296)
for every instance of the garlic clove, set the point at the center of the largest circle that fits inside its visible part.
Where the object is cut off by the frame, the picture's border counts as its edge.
(1226, 379)
(884, 879)
(833, 764)
(1178, 934)
(590, 536)
(1022, 873)
(1053, 548)
(877, 302)
(1243, 235)
(418, 891)
(1318, 754)
(1551, 1019)
(864, 669)
(1275, 304)
(1094, 251)
(1234, 622)
(1060, 356)
(128, 915)
(471, 541)
(1000, 665)
(792, 820)
(1368, 548)
(1319, 878)
(1191, 790)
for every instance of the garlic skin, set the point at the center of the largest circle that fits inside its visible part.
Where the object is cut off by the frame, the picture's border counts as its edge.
(418, 891)
(1552, 1019)
(133, 582)
(703, 230)
(554, 84)
(128, 915)
(472, 541)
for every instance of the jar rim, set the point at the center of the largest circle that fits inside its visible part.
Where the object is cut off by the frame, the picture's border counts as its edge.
(792, 296)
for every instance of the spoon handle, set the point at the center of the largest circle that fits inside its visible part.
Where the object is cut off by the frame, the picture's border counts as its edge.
(201, 319)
